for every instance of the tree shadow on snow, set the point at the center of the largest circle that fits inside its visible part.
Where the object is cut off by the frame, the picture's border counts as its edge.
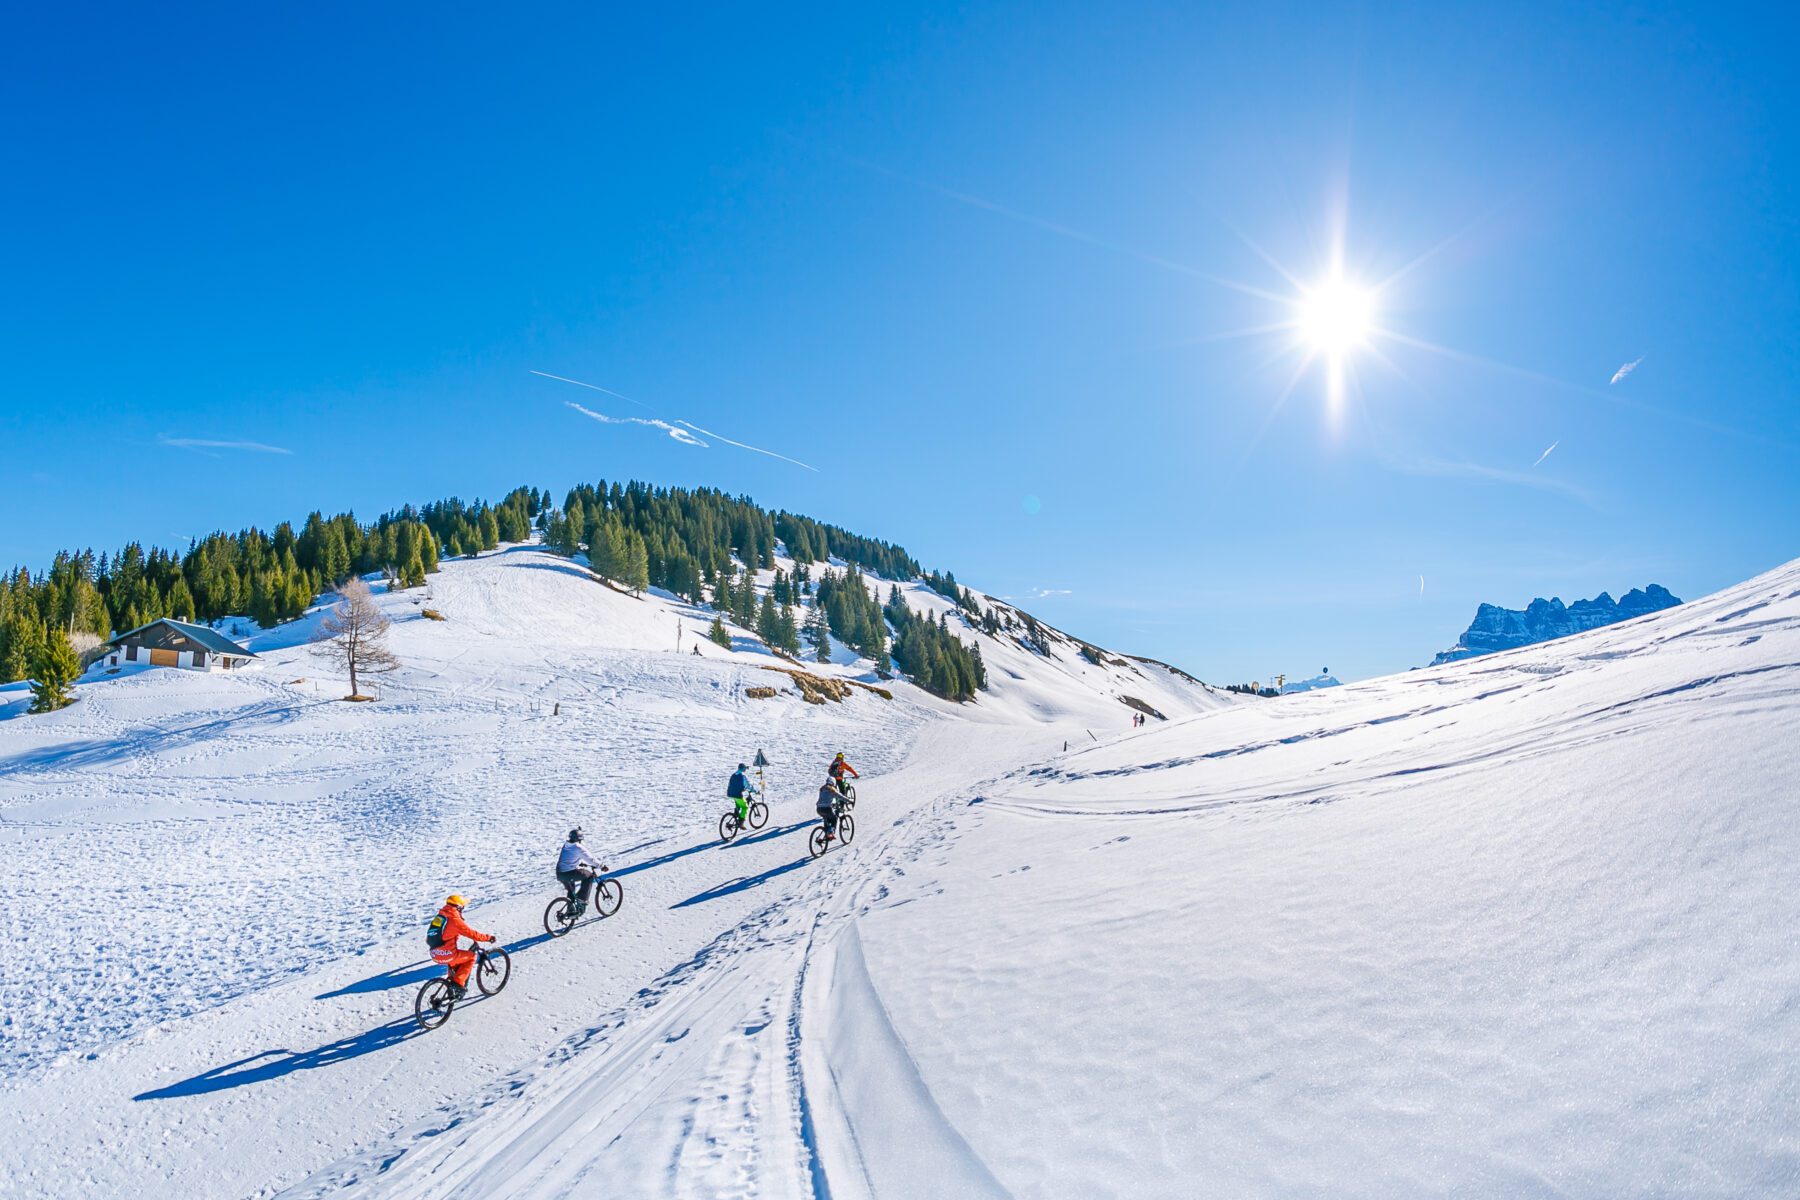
(99, 752)
(273, 1064)
(561, 568)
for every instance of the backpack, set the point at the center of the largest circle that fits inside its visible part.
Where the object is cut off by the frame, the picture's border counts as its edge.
(735, 789)
(434, 933)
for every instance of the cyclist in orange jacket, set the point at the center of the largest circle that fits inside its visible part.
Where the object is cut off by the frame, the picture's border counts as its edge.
(838, 769)
(442, 935)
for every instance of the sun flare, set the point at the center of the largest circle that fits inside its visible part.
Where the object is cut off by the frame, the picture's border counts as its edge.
(1335, 317)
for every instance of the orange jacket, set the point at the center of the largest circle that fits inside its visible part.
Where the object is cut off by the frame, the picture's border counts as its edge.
(455, 927)
(839, 766)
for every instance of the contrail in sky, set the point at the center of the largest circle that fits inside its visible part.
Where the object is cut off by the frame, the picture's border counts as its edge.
(746, 446)
(1421, 587)
(209, 444)
(1627, 369)
(1060, 230)
(680, 435)
(1546, 454)
(685, 432)
(594, 386)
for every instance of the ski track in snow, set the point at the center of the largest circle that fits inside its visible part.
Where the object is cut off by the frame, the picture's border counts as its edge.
(1517, 926)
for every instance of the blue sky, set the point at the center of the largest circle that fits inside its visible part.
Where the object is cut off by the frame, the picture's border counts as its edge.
(980, 265)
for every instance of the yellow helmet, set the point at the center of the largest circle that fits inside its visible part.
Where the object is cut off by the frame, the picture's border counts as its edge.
(456, 899)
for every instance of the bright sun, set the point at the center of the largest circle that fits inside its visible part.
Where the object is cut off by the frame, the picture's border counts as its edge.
(1335, 317)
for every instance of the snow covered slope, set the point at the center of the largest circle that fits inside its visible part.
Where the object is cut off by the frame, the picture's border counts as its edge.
(1520, 926)
(201, 861)
(1516, 926)
(1060, 679)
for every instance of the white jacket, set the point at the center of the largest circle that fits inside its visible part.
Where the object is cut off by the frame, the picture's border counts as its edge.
(574, 855)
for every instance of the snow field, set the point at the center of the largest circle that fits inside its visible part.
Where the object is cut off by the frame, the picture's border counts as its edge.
(1523, 927)
(178, 839)
(223, 878)
(1517, 926)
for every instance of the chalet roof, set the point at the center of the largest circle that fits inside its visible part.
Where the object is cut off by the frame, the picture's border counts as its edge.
(210, 639)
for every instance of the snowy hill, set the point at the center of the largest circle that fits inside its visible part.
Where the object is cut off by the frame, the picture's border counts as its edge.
(1519, 925)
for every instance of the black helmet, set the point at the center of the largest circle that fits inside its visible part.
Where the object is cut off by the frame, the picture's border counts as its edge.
(743, 766)
(575, 834)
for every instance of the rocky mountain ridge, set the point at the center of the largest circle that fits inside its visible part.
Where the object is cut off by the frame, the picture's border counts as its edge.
(1495, 628)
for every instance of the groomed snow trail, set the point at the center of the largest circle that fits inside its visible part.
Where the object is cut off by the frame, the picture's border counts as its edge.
(756, 1068)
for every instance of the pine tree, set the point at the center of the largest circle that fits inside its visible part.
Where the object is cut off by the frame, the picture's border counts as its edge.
(53, 671)
(818, 636)
(180, 604)
(718, 633)
(744, 599)
(637, 564)
(606, 548)
(23, 642)
(576, 517)
(768, 622)
(335, 562)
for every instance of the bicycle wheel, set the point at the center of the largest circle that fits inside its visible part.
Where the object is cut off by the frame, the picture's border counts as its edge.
(846, 829)
(559, 918)
(759, 815)
(608, 895)
(728, 826)
(816, 842)
(492, 972)
(431, 1007)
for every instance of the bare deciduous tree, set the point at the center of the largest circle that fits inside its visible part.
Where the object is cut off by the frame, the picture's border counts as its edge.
(354, 635)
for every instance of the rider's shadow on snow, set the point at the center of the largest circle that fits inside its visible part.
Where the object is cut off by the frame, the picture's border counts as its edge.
(413, 972)
(743, 883)
(710, 844)
(273, 1064)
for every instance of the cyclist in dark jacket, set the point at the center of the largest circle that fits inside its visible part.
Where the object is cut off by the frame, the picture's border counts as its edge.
(740, 791)
(827, 806)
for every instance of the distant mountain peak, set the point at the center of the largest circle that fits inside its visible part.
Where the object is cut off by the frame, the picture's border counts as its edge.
(1495, 628)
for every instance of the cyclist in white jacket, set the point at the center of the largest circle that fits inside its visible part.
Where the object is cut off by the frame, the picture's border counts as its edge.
(576, 868)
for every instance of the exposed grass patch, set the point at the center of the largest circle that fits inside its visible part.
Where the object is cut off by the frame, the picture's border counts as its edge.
(1134, 702)
(817, 689)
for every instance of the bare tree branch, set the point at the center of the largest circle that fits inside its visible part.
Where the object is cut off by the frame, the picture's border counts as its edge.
(354, 635)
